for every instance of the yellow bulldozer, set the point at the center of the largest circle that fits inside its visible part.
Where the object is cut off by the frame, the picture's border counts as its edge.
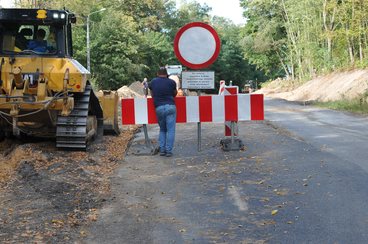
(44, 92)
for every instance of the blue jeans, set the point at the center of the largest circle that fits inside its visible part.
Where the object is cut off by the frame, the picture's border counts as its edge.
(166, 116)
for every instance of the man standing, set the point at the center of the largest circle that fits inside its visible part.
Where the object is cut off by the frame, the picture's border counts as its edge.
(163, 91)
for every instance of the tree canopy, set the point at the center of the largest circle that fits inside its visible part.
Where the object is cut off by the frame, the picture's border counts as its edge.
(132, 38)
(281, 38)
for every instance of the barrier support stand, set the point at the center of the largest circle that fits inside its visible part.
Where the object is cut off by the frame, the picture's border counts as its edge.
(146, 148)
(233, 143)
(151, 150)
(146, 138)
(232, 132)
(199, 132)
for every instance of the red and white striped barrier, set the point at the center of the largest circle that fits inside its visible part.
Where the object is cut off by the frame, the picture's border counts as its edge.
(222, 87)
(215, 109)
(229, 90)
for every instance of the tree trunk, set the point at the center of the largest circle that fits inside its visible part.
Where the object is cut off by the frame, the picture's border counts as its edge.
(292, 40)
(351, 51)
(292, 66)
(361, 56)
(283, 64)
(329, 26)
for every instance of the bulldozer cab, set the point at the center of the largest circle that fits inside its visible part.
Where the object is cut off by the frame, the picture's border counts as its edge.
(25, 32)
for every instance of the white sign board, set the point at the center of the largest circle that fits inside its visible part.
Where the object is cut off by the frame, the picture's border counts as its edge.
(198, 79)
(174, 69)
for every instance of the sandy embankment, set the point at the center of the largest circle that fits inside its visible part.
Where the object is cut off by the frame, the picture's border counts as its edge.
(332, 87)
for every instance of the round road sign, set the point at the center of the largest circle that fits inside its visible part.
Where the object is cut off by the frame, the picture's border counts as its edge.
(197, 45)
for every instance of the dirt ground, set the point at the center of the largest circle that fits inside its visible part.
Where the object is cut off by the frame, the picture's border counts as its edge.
(332, 87)
(47, 195)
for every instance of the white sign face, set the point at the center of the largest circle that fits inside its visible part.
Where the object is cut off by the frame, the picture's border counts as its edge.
(198, 80)
(197, 45)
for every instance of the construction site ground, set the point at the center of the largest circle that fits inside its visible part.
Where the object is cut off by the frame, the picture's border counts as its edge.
(283, 187)
(47, 195)
(100, 196)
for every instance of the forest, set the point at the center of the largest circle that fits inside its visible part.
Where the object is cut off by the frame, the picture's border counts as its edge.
(281, 38)
(305, 38)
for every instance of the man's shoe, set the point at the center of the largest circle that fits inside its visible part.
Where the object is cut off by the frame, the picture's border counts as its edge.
(163, 153)
(169, 154)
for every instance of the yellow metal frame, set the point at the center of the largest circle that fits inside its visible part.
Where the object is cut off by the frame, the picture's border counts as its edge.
(17, 75)
(51, 68)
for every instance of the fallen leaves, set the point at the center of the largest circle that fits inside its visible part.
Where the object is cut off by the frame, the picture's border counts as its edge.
(93, 214)
(27, 234)
(116, 146)
(57, 223)
(51, 202)
(265, 199)
(253, 182)
(281, 192)
(263, 223)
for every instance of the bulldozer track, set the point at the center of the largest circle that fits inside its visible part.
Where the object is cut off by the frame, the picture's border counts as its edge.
(71, 131)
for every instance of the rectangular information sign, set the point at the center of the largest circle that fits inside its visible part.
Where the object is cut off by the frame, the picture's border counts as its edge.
(198, 79)
(174, 69)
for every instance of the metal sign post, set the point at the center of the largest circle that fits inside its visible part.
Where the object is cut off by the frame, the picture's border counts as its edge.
(198, 80)
(199, 132)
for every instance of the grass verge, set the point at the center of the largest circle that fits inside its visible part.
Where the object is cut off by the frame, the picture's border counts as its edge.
(358, 105)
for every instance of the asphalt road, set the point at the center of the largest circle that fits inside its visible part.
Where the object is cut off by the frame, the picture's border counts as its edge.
(342, 134)
(302, 178)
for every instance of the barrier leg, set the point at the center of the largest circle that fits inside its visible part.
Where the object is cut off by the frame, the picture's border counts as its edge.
(232, 132)
(140, 148)
(232, 144)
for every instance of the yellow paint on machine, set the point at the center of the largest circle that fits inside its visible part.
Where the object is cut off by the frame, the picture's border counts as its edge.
(109, 103)
(53, 69)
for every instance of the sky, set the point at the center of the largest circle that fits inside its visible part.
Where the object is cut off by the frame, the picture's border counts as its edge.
(226, 8)
(6, 3)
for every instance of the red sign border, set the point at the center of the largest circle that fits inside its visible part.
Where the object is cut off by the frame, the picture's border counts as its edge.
(180, 57)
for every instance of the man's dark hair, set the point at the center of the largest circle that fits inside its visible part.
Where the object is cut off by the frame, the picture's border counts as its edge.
(162, 71)
(41, 33)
